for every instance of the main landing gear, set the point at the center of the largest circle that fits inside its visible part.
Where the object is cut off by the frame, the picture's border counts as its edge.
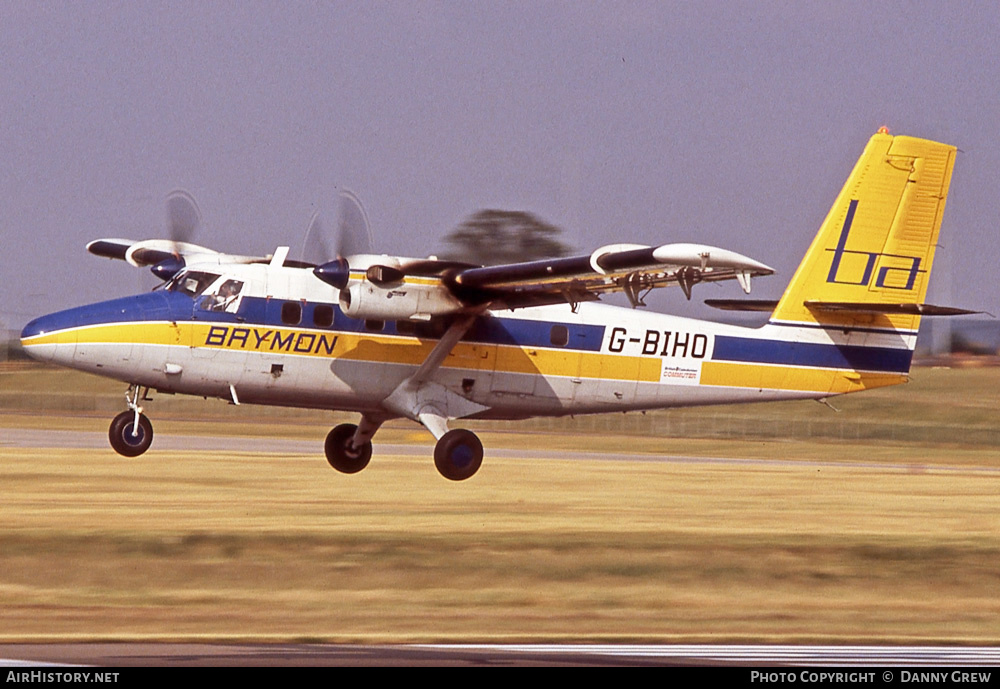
(131, 433)
(457, 455)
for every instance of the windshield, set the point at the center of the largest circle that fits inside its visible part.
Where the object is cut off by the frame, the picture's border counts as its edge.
(191, 283)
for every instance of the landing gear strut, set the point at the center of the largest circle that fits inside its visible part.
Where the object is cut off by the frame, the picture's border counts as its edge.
(131, 433)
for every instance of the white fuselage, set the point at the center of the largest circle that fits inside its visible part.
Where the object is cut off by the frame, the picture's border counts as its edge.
(275, 335)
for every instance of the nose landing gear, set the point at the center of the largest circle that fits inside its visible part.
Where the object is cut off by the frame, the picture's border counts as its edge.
(128, 437)
(131, 433)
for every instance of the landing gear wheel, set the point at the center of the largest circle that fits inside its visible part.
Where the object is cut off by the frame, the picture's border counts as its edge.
(122, 438)
(458, 454)
(341, 455)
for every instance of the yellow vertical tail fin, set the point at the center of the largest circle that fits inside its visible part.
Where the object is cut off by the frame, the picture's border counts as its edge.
(870, 262)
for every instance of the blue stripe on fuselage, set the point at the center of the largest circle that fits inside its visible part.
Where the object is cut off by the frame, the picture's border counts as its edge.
(486, 329)
(172, 306)
(777, 352)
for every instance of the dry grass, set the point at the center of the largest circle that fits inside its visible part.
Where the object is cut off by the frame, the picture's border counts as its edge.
(274, 547)
(840, 535)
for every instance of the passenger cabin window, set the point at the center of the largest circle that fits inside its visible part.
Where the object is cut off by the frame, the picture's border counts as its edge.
(374, 326)
(559, 335)
(323, 316)
(291, 313)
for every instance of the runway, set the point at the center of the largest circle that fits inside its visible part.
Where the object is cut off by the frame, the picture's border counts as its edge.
(126, 655)
(98, 440)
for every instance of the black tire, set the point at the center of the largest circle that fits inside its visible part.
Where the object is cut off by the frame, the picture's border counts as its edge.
(339, 454)
(122, 440)
(458, 454)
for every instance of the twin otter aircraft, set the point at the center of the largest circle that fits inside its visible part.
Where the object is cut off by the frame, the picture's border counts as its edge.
(435, 341)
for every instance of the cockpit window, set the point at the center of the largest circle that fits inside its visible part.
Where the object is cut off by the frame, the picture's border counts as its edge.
(191, 283)
(223, 297)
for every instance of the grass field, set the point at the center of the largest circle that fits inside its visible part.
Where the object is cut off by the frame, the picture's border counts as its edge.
(877, 537)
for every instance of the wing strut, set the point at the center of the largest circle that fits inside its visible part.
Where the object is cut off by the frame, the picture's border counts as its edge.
(429, 403)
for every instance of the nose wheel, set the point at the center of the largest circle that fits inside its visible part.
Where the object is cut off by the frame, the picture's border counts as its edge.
(130, 434)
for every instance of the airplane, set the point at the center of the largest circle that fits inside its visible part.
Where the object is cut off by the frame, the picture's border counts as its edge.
(438, 341)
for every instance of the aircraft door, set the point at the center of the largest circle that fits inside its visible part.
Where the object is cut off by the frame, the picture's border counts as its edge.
(607, 380)
(545, 368)
(476, 361)
(560, 367)
(218, 337)
(469, 367)
(211, 333)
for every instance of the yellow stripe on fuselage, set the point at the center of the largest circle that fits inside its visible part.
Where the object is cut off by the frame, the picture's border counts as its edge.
(768, 377)
(410, 351)
(364, 347)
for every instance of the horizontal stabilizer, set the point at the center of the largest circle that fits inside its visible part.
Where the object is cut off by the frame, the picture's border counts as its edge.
(910, 309)
(765, 305)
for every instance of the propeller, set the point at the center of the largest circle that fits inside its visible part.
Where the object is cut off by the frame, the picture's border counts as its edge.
(317, 247)
(183, 214)
(183, 217)
(353, 236)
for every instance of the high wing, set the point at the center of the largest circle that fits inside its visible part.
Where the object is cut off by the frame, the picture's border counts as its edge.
(148, 252)
(627, 268)
(167, 256)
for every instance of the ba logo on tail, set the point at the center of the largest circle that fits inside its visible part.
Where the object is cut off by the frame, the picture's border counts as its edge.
(865, 279)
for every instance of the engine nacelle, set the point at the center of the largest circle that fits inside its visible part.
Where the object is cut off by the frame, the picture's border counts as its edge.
(399, 301)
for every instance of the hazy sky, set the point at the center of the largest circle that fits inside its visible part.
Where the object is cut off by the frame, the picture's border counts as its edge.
(726, 123)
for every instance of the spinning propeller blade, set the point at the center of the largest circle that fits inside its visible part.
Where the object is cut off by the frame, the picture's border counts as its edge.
(353, 236)
(183, 217)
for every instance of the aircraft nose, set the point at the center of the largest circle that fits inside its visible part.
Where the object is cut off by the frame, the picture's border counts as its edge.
(39, 338)
(33, 329)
